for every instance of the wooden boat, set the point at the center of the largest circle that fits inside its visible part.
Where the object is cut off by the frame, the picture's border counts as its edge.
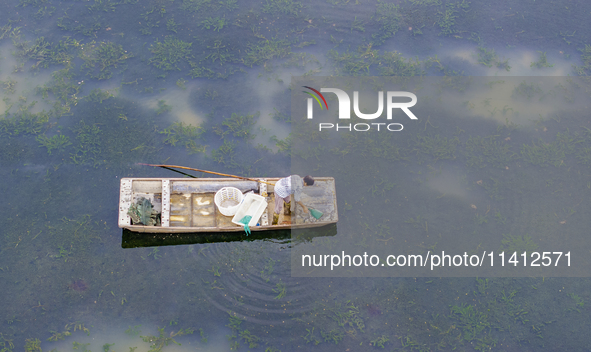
(187, 205)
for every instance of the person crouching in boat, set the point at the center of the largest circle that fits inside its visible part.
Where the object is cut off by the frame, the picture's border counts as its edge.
(283, 190)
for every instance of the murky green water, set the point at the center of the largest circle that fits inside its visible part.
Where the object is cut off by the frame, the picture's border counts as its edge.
(92, 88)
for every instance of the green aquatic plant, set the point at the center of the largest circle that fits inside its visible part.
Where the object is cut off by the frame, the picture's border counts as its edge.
(219, 52)
(101, 6)
(171, 25)
(527, 90)
(358, 25)
(436, 147)
(268, 270)
(585, 68)
(388, 17)
(225, 154)
(250, 339)
(100, 59)
(77, 346)
(9, 86)
(181, 83)
(470, 321)
(379, 341)
(163, 107)
(36, 52)
(88, 147)
(481, 152)
(261, 52)
(392, 63)
(185, 135)
(352, 63)
(133, 331)
(519, 244)
(89, 27)
(56, 142)
(280, 289)
(169, 53)
(216, 23)
(553, 153)
(33, 345)
(279, 116)
(542, 61)
(158, 342)
(6, 345)
(238, 126)
(334, 336)
(196, 5)
(285, 7)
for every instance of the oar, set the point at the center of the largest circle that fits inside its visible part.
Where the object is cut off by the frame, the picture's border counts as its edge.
(209, 172)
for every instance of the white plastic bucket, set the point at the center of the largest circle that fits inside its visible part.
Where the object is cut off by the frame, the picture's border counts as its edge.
(228, 200)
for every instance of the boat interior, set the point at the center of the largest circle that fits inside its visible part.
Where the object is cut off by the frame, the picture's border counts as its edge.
(189, 203)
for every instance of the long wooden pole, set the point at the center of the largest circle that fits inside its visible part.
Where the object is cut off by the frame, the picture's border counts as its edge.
(209, 172)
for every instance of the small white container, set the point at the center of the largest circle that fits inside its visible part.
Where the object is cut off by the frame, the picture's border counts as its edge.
(228, 200)
(253, 205)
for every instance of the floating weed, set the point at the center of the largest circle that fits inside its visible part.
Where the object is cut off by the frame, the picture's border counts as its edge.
(171, 25)
(347, 315)
(250, 339)
(185, 135)
(436, 147)
(181, 83)
(163, 107)
(489, 58)
(393, 63)
(238, 126)
(88, 144)
(334, 336)
(9, 86)
(89, 27)
(6, 344)
(519, 244)
(261, 52)
(101, 58)
(388, 18)
(279, 116)
(225, 154)
(280, 289)
(268, 270)
(219, 52)
(82, 347)
(446, 17)
(203, 336)
(133, 331)
(158, 342)
(358, 25)
(472, 322)
(197, 5)
(169, 53)
(286, 7)
(57, 142)
(284, 145)
(379, 341)
(102, 6)
(527, 90)
(554, 153)
(584, 69)
(487, 151)
(33, 345)
(216, 23)
(579, 302)
(310, 337)
(542, 61)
